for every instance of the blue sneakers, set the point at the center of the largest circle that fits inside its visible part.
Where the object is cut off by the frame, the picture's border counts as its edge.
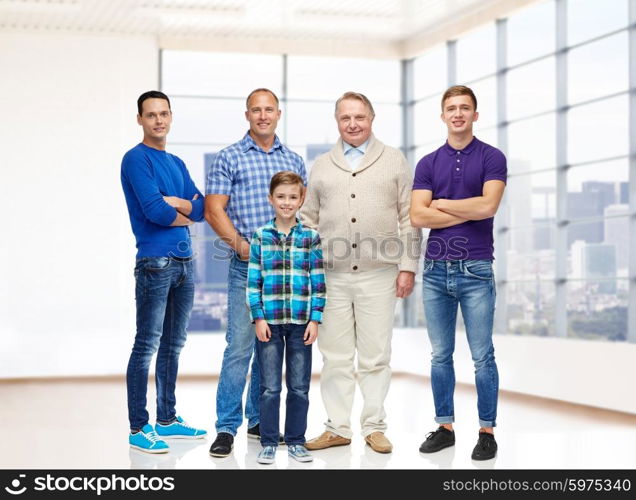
(299, 452)
(147, 440)
(179, 430)
(267, 455)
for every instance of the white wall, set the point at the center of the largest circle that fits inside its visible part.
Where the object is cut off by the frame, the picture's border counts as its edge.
(68, 107)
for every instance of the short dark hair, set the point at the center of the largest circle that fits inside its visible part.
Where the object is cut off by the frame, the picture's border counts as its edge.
(247, 101)
(459, 90)
(357, 96)
(285, 177)
(151, 94)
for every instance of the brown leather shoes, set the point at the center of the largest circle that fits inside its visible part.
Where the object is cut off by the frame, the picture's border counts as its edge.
(326, 440)
(379, 442)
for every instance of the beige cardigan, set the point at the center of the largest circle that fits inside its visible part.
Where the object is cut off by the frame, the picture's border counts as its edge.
(363, 216)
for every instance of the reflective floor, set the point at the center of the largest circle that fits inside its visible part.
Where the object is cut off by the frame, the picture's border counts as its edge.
(82, 424)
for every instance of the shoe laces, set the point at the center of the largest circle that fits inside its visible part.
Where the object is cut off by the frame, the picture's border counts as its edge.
(486, 440)
(297, 449)
(224, 438)
(185, 424)
(431, 435)
(152, 436)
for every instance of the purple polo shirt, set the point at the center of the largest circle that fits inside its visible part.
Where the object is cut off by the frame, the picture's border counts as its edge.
(455, 175)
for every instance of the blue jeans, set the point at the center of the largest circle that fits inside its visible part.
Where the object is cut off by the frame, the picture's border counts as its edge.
(471, 284)
(240, 338)
(287, 338)
(164, 293)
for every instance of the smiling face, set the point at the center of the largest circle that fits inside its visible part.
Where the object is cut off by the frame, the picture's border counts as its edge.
(354, 121)
(263, 115)
(458, 113)
(286, 200)
(155, 120)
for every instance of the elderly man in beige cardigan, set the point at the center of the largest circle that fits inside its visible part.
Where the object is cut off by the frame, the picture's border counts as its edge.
(358, 198)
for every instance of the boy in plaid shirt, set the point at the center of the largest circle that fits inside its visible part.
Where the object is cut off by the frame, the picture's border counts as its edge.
(286, 297)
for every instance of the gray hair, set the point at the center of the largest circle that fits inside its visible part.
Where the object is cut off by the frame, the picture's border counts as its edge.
(358, 96)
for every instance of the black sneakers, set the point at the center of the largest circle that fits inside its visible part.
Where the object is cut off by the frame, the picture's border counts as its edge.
(255, 433)
(438, 440)
(222, 445)
(486, 447)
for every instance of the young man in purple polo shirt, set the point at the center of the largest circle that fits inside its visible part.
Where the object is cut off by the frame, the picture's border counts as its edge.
(456, 193)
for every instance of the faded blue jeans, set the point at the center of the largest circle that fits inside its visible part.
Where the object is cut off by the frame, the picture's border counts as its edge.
(286, 343)
(471, 285)
(240, 338)
(164, 293)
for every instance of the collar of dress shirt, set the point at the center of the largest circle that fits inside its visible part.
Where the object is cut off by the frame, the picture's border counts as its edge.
(362, 147)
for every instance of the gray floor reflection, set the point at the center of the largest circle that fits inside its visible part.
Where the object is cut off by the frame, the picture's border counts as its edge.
(442, 459)
(178, 449)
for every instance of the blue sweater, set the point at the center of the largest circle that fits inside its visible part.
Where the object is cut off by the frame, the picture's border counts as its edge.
(147, 175)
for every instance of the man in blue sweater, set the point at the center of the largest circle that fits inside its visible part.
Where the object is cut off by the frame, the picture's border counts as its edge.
(162, 202)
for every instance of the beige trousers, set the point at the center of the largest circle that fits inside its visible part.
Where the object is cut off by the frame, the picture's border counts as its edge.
(358, 317)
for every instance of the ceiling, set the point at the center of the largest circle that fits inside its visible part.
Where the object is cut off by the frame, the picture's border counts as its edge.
(385, 28)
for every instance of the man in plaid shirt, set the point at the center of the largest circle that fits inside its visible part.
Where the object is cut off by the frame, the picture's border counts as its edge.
(286, 295)
(235, 206)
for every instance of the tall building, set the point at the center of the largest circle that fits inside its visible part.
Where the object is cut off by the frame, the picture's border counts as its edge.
(581, 205)
(590, 261)
(589, 202)
(517, 214)
(606, 192)
(617, 234)
(543, 215)
(623, 193)
(212, 258)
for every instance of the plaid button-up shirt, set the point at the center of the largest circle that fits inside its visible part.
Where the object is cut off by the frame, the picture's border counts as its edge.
(285, 276)
(243, 172)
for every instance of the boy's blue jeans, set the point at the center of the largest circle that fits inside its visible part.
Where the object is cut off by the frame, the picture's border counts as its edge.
(471, 284)
(238, 353)
(164, 293)
(286, 342)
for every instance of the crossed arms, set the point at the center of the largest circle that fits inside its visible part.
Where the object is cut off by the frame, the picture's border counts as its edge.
(158, 208)
(441, 213)
(183, 208)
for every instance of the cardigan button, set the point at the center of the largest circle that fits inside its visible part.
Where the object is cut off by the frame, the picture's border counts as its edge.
(353, 195)
(355, 245)
(353, 175)
(355, 268)
(353, 219)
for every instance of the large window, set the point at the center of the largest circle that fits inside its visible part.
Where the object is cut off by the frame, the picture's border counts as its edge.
(476, 54)
(553, 87)
(531, 33)
(587, 19)
(566, 235)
